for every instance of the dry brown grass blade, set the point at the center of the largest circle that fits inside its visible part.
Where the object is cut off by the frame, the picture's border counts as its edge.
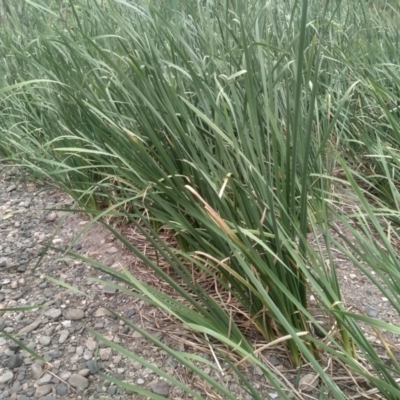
(213, 214)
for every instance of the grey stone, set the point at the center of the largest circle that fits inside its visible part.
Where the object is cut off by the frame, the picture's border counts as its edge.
(65, 375)
(62, 390)
(11, 188)
(87, 355)
(125, 330)
(110, 290)
(55, 353)
(45, 340)
(16, 296)
(77, 246)
(22, 397)
(74, 314)
(78, 381)
(63, 337)
(5, 394)
(8, 352)
(171, 362)
(371, 311)
(112, 250)
(274, 361)
(49, 331)
(45, 379)
(16, 386)
(93, 366)
(136, 366)
(15, 361)
(22, 268)
(53, 313)
(112, 390)
(36, 370)
(49, 293)
(161, 388)
(43, 390)
(3, 263)
(7, 376)
(21, 376)
(48, 397)
(84, 372)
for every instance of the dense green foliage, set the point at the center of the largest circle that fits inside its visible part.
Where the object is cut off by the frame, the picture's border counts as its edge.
(225, 122)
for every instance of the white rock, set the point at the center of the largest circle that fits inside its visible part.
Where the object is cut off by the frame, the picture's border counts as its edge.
(7, 376)
(36, 371)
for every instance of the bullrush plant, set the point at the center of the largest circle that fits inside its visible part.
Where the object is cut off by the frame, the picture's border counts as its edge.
(222, 123)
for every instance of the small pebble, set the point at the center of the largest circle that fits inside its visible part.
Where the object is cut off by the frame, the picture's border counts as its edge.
(51, 217)
(45, 340)
(63, 337)
(84, 372)
(36, 370)
(371, 311)
(161, 388)
(78, 381)
(11, 188)
(74, 314)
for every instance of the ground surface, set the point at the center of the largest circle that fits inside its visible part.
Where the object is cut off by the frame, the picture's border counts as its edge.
(59, 331)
